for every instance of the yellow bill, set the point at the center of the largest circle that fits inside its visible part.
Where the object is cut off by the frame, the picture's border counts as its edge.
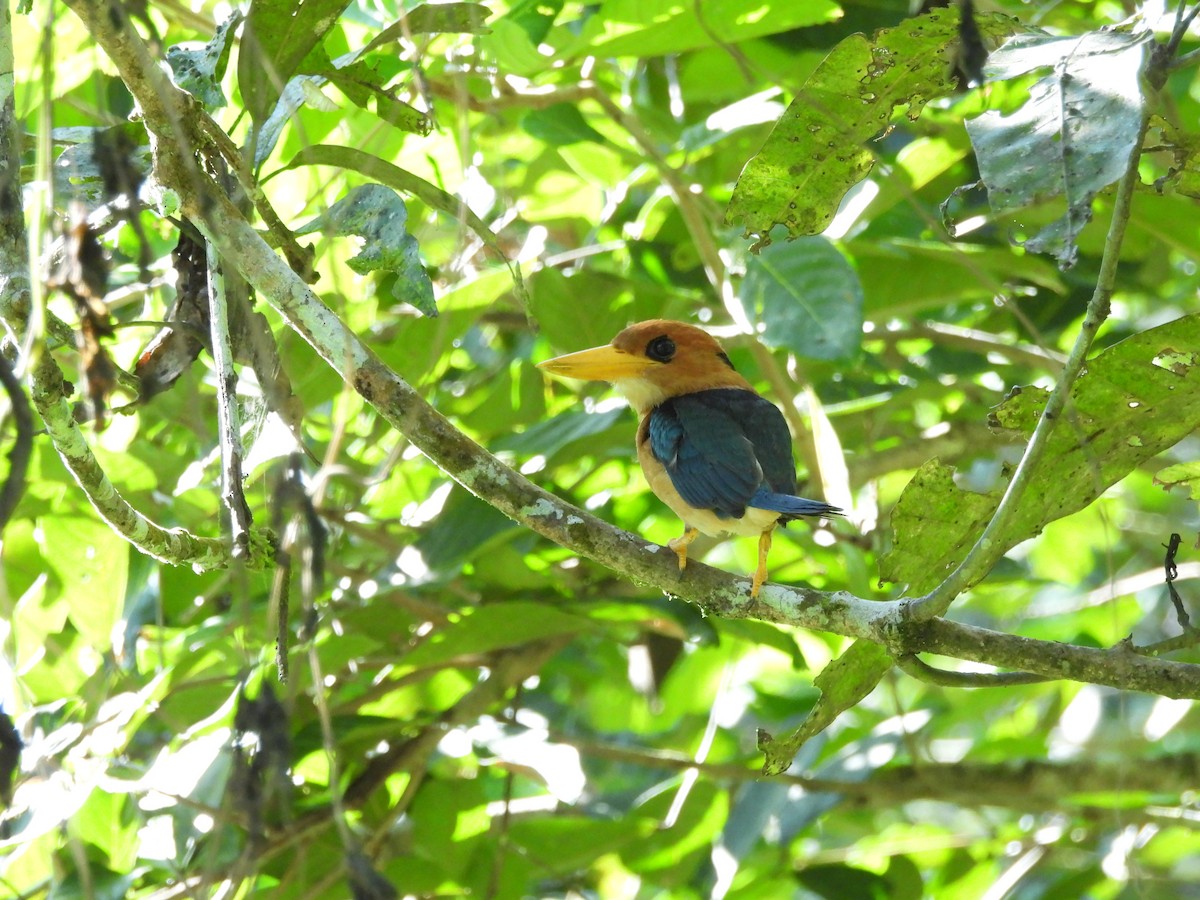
(605, 363)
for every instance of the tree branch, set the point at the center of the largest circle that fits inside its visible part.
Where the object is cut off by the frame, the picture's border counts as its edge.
(714, 592)
(1027, 785)
(1118, 667)
(48, 392)
(175, 546)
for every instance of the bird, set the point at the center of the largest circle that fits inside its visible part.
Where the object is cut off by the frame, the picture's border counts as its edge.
(712, 448)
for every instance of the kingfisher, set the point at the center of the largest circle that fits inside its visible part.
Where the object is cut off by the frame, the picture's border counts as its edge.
(712, 448)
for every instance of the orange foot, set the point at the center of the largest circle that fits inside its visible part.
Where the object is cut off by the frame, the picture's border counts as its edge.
(760, 574)
(680, 544)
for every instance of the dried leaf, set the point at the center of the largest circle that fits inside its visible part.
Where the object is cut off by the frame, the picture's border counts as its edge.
(82, 274)
(174, 348)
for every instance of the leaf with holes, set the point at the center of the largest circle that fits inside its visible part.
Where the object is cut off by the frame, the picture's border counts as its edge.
(1136, 399)
(1185, 475)
(822, 145)
(374, 213)
(843, 683)
(1072, 138)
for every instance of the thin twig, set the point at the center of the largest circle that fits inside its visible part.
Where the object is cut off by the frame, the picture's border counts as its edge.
(18, 456)
(1191, 635)
(977, 342)
(1034, 784)
(175, 546)
(229, 420)
(337, 809)
(917, 668)
(299, 258)
(1185, 641)
(1182, 24)
(1182, 62)
(1170, 573)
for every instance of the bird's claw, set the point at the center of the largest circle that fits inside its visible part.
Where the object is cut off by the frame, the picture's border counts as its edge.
(760, 574)
(680, 545)
(756, 584)
(681, 552)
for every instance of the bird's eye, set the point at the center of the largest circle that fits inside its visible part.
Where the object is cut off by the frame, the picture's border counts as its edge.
(662, 348)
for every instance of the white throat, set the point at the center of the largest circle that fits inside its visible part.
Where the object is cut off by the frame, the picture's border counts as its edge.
(642, 395)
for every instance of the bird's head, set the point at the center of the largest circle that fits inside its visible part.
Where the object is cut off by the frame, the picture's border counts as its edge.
(653, 361)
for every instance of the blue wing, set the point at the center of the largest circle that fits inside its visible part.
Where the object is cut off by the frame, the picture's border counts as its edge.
(726, 449)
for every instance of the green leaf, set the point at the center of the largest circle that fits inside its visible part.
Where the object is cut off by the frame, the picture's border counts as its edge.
(447, 816)
(25, 575)
(1184, 174)
(1074, 135)
(560, 125)
(843, 683)
(809, 298)
(513, 48)
(837, 881)
(278, 35)
(696, 825)
(588, 308)
(465, 527)
(107, 822)
(822, 145)
(92, 564)
(487, 628)
(552, 435)
(934, 524)
(534, 17)
(401, 180)
(658, 27)
(904, 879)
(362, 83)
(100, 884)
(376, 214)
(764, 634)
(80, 168)
(567, 843)
(448, 18)
(435, 18)
(936, 274)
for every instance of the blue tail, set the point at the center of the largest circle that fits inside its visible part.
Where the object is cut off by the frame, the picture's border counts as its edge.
(791, 507)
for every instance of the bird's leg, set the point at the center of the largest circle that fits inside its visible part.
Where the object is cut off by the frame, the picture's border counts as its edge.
(760, 574)
(680, 544)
